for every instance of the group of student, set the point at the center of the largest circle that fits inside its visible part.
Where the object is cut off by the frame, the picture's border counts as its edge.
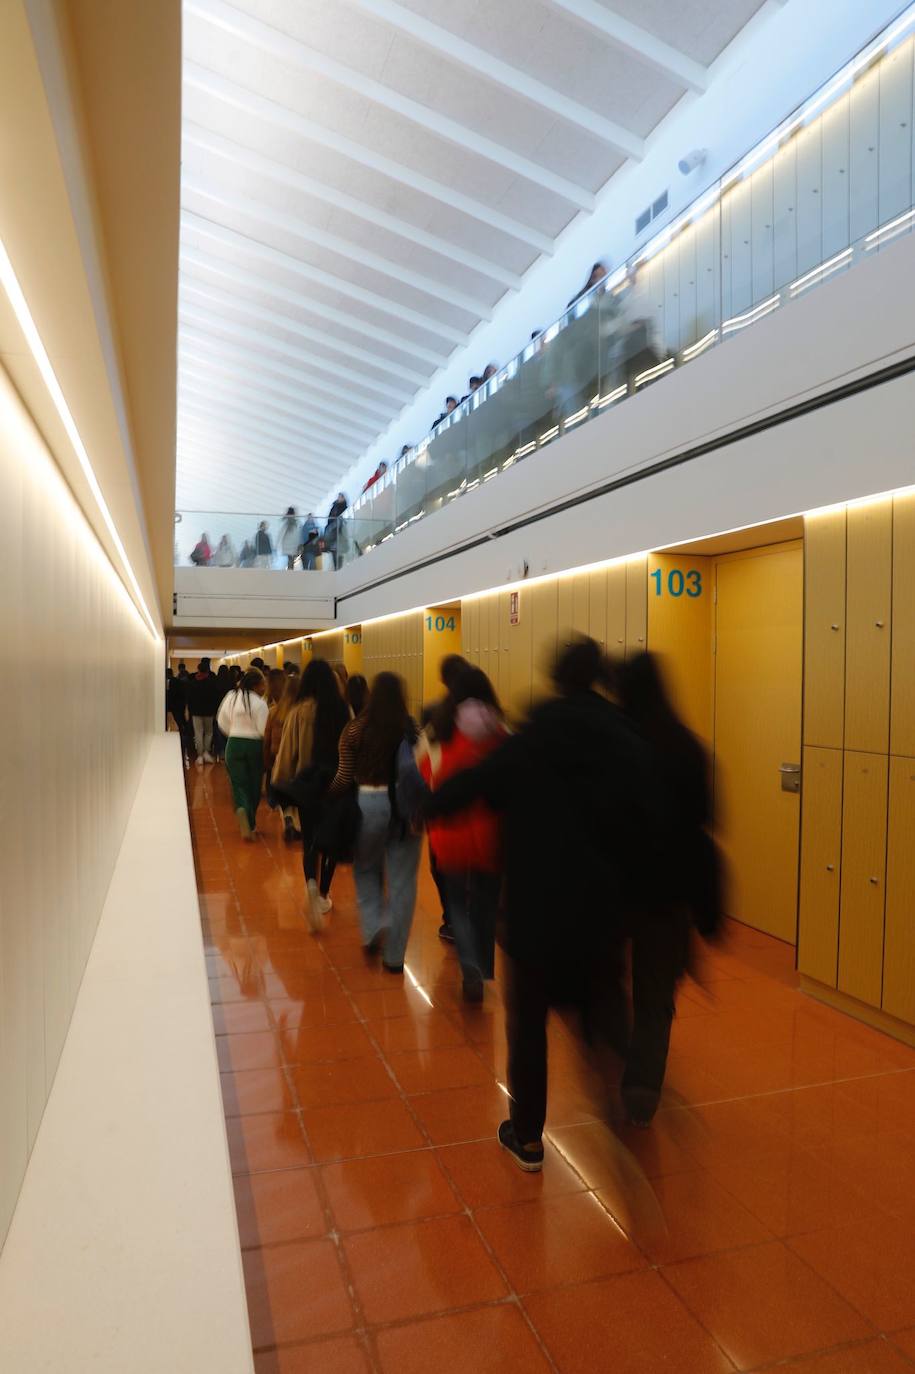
(584, 834)
(297, 541)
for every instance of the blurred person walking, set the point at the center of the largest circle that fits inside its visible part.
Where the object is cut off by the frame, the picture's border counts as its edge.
(203, 698)
(376, 760)
(263, 546)
(243, 719)
(282, 689)
(289, 538)
(451, 670)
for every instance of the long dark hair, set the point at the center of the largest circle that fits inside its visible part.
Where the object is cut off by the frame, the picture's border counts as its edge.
(645, 699)
(471, 684)
(252, 678)
(319, 684)
(357, 693)
(386, 722)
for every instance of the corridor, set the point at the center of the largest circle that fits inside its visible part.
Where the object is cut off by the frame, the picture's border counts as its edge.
(766, 1218)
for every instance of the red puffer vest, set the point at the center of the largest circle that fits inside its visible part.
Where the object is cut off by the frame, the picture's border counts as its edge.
(473, 838)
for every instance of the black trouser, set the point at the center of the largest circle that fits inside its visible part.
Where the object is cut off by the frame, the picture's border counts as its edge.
(313, 861)
(659, 950)
(439, 880)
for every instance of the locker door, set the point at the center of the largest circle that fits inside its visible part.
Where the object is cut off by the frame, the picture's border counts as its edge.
(581, 612)
(895, 161)
(902, 696)
(863, 159)
(485, 637)
(809, 198)
(741, 258)
(762, 238)
(616, 610)
(784, 194)
(542, 605)
(493, 608)
(899, 949)
(636, 605)
(867, 649)
(597, 607)
(519, 642)
(835, 177)
(821, 848)
(566, 611)
(469, 612)
(861, 917)
(824, 629)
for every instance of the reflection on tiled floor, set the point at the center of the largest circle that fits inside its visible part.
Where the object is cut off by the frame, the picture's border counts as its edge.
(767, 1218)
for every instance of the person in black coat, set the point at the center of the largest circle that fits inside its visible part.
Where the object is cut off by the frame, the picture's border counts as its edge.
(579, 833)
(203, 698)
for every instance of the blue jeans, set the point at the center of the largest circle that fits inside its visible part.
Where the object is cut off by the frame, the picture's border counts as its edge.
(379, 848)
(473, 902)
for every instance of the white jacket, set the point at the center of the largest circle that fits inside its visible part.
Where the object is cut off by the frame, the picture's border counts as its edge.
(237, 721)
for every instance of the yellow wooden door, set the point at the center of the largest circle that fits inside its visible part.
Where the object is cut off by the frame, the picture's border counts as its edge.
(867, 647)
(899, 947)
(581, 604)
(680, 602)
(541, 603)
(861, 917)
(616, 610)
(821, 850)
(902, 724)
(597, 607)
(824, 629)
(759, 616)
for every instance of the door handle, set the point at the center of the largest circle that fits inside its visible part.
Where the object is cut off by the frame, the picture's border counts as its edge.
(791, 776)
(830, 868)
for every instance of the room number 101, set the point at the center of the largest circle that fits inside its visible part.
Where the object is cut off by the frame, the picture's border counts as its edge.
(678, 582)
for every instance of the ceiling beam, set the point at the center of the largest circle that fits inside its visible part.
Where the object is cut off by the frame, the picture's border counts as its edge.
(193, 415)
(300, 57)
(622, 33)
(231, 238)
(201, 338)
(393, 396)
(246, 458)
(347, 248)
(240, 98)
(217, 145)
(240, 381)
(519, 83)
(199, 395)
(190, 258)
(242, 442)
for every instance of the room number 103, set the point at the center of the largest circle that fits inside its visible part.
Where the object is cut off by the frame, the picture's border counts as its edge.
(677, 582)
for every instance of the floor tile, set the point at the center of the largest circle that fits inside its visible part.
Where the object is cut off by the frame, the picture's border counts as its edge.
(603, 1157)
(906, 1342)
(424, 1267)
(632, 1324)
(255, 1090)
(350, 1130)
(236, 1018)
(296, 1291)
(431, 1032)
(795, 1192)
(695, 1216)
(257, 1050)
(871, 1263)
(338, 1355)
(296, 1018)
(557, 1240)
(485, 1175)
(465, 1114)
(278, 1206)
(353, 1080)
(488, 1340)
(231, 989)
(326, 1044)
(873, 1357)
(399, 1000)
(763, 1304)
(268, 1140)
(388, 1188)
(420, 1071)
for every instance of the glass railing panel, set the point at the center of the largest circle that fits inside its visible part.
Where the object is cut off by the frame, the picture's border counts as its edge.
(445, 475)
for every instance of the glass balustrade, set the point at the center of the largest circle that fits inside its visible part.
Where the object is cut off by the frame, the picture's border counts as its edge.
(830, 187)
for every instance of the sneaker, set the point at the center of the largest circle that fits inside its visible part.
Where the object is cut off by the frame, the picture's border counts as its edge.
(199, 761)
(208, 758)
(640, 1105)
(527, 1157)
(288, 829)
(473, 988)
(244, 825)
(444, 932)
(373, 948)
(314, 910)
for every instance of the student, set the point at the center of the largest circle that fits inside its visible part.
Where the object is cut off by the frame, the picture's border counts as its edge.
(467, 847)
(202, 703)
(335, 538)
(242, 719)
(225, 553)
(224, 683)
(306, 762)
(375, 477)
(309, 542)
(282, 689)
(289, 538)
(452, 669)
(387, 849)
(201, 554)
(263, 546)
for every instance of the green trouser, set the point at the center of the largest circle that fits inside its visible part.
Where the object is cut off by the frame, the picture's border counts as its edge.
(245, 762)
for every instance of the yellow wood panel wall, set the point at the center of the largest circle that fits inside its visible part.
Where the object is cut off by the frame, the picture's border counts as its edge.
(441, 637)
(395, 645)
(824, 629)
(821, 851)
(867, 650)
(616, 609)
(636, 605)
(329, 646)
(680, 633)
(899, 947)
(861, 915)
(352, 650)
(902, 724)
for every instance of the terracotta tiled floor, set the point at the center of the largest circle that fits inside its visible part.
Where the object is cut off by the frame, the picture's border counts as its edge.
(766, 1219)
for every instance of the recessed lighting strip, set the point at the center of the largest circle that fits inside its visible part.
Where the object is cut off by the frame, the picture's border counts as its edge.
(17, 300)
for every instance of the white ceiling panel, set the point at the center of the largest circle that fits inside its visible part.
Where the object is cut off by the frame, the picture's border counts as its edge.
(364, 180)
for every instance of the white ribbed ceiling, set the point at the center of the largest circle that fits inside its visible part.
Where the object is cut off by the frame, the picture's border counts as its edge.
(363, 180)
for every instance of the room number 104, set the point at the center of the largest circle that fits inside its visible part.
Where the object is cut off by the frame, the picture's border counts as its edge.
(677, 582)
(440, 623)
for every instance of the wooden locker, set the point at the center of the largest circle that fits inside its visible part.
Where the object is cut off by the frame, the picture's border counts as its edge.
(466, 617)
(516, 656)
(867, 646)
(835, 177)
(566, 611)
(597, 607)
(809, 206)
(475, 629)
(899, 946)
(902, 695)
(784, 196)
(542, 605)
(493, 610)
(616, 610)
(824, 629)
(864, 135)
(762, 238)
(636, 605)
(486, 638)
(863, 883)
(581, 612)
(895, 145)
(821, 850)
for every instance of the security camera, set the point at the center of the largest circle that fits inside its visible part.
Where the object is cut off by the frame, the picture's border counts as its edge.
(692, 161)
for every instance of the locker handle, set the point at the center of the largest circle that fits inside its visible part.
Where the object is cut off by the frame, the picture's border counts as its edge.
(875, 881)
(880, 624)
(833, 627)
(830, 868)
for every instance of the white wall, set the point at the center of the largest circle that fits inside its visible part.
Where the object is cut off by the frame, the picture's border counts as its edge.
(80, 676)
